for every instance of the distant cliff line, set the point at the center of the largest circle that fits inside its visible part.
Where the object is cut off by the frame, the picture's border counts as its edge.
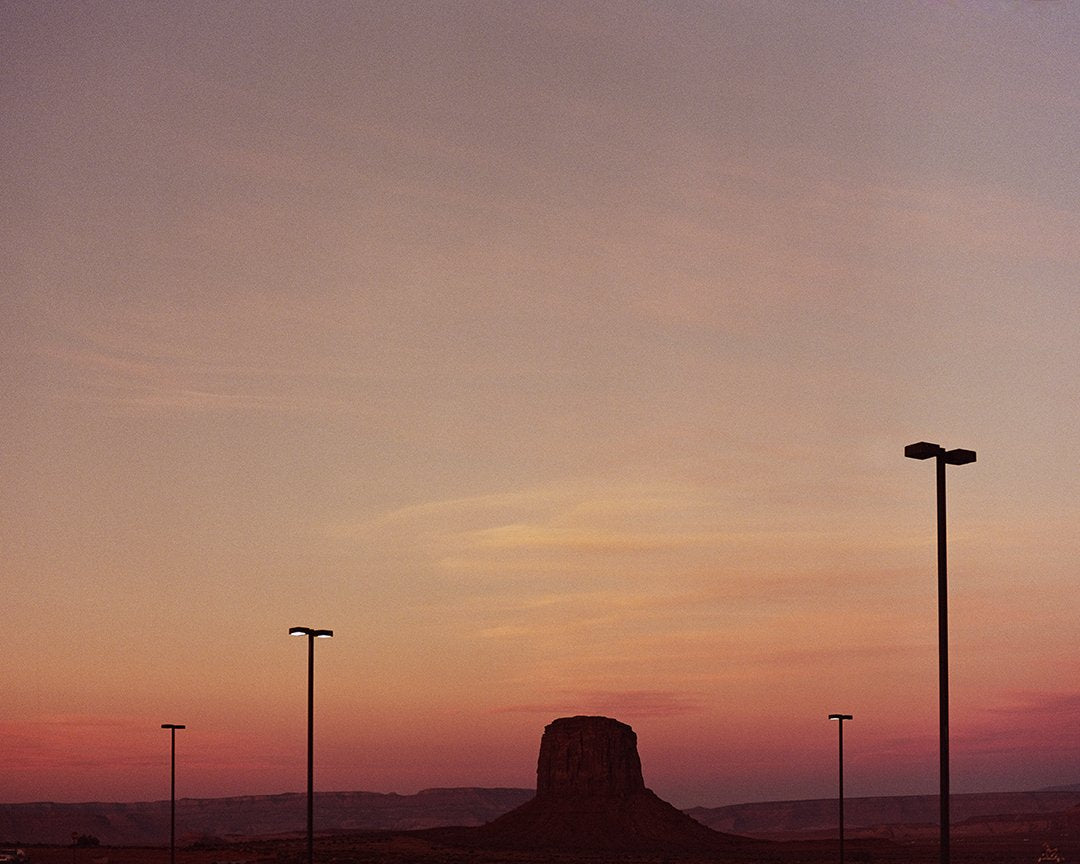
(283, 814)
(146, 823)
(897, 816)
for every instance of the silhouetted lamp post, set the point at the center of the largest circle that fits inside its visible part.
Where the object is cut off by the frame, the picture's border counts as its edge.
(943, 457)
(841, 718)
(172, 727)
(312, 635)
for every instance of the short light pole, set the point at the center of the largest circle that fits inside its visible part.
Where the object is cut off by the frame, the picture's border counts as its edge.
(312, 634)
(943, 457)
(840, 726)
(172, 727)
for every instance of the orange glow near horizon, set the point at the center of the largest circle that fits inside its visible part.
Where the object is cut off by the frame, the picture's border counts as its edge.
(560, 359)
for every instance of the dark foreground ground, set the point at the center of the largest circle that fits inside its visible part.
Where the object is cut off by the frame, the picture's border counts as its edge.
(421, 848)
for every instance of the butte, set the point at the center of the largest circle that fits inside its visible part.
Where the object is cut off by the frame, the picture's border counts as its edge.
(591, 797)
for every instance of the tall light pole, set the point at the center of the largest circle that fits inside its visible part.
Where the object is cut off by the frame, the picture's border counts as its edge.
(312, 634)
(943, 457)
(172, 727)
(840, 725)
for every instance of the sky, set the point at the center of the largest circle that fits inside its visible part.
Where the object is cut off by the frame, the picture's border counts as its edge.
(560, 357)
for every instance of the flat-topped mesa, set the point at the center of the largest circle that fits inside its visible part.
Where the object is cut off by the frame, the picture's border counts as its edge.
(590, 797)
(588, 756)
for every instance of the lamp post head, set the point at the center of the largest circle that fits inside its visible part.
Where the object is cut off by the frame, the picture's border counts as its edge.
(926, 450)
(173, 726)
(840, 717)
(923, 450)
(310, 631)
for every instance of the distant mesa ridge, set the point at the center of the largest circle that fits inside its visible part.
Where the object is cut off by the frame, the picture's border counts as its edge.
(146, 823)
(590, 782)
(908, 818)
(590, 796)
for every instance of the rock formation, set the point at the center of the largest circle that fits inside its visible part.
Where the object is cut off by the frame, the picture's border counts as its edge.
(588, 756)
(591, 797)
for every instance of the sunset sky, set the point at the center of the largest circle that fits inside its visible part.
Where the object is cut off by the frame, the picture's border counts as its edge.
(560, 357)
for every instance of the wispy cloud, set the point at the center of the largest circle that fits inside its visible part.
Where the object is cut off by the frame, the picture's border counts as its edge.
(1043, 704)
(630, 704)
(579, 523)
(63, 741)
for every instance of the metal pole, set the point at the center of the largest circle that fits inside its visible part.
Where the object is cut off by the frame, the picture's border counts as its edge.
(841, 718)
(841, 778)
(172, 799)
(311, 636)
(942, 457)
(172, 727)
(943, 658)
(310, 749)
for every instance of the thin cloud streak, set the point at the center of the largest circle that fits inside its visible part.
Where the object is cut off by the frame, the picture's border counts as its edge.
(635, 703)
